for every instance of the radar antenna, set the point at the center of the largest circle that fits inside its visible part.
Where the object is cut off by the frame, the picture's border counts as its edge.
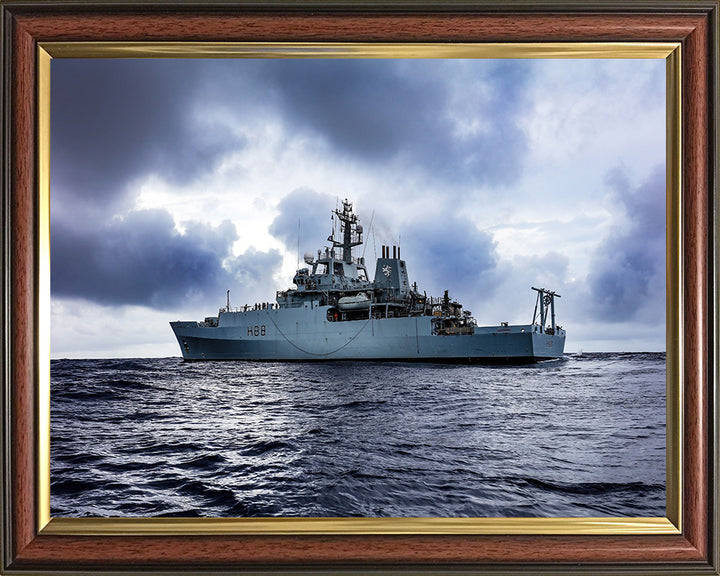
(351, 231)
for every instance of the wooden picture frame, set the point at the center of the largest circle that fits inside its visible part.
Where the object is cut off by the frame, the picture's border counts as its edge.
(31, 544)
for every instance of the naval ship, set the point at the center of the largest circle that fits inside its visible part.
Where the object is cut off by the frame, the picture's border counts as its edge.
(335, 312)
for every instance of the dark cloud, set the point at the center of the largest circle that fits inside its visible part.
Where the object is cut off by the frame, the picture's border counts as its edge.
(628, 269)
(255, 269)
(447, 251)
(361, 107)
(142, 260)
(307, 212)
(386, 111)
(116, 120)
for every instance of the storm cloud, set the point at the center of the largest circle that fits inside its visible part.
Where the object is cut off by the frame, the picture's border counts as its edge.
(143, 260)
(114, 121)
(447, 251)
(433, 116)
(303, 213)
(628, 267)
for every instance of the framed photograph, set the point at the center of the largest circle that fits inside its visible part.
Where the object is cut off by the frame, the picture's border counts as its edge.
(302, 72)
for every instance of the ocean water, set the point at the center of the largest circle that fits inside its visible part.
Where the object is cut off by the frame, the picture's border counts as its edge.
(582, 436)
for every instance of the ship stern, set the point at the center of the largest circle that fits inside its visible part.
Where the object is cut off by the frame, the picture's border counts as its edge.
(548, 346)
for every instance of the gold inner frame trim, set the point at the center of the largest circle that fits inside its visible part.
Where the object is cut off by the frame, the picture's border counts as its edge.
(351, 526)
(357, 50)
(348, 526)
(43, 288)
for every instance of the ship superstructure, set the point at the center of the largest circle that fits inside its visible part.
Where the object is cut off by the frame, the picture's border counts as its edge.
(335, 312)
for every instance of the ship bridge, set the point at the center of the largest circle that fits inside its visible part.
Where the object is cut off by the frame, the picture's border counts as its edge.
(334, 270)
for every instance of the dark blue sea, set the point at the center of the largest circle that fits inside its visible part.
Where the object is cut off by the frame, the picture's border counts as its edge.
(582, 436)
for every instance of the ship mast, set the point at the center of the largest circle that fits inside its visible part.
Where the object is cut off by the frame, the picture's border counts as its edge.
(351, 231)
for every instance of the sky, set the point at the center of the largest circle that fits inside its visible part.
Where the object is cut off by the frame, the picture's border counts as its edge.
(173, 181)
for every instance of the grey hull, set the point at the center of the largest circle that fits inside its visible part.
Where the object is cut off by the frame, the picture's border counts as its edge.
(305, 334)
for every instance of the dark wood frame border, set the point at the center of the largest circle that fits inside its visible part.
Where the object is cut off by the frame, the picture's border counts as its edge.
(692, 23)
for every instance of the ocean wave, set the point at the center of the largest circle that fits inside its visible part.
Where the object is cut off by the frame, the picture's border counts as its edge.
(592, 488)
(165, 438)
(264, 446)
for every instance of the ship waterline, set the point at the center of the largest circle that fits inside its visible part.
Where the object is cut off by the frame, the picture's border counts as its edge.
(336, 313)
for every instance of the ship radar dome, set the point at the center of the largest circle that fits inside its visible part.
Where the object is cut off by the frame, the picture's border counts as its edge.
(308, 257)
(359, 228)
